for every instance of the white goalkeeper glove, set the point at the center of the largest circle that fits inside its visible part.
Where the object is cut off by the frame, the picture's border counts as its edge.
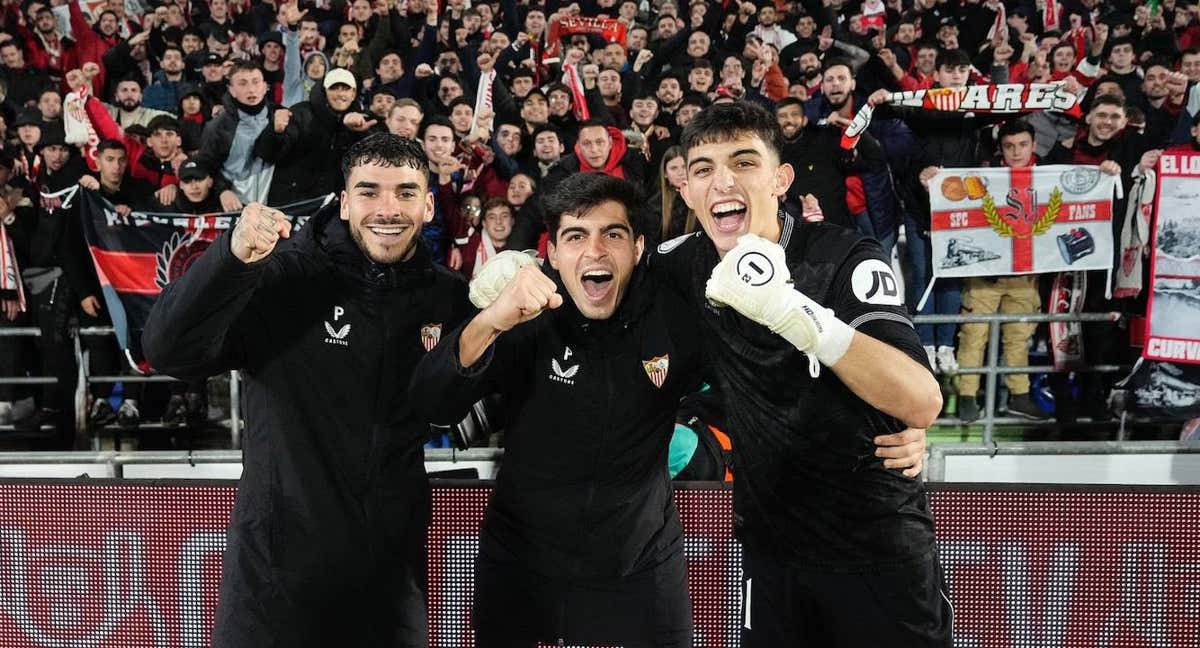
(497, 273)
(754, 280)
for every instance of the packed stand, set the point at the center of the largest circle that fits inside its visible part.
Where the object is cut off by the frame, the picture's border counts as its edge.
(205, 107)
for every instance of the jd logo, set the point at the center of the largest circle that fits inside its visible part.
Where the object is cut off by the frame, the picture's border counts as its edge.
(874, 283)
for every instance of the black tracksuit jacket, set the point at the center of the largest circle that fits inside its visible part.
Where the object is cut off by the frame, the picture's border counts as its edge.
(326, 545)
(583, 493)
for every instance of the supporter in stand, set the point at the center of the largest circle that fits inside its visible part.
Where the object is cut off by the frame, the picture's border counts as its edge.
(216, 74)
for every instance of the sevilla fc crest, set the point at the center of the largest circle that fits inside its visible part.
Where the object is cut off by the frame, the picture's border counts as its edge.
(430, 334)
(656, 369)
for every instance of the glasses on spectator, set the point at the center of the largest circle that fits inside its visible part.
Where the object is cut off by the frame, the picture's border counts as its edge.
(559, 99)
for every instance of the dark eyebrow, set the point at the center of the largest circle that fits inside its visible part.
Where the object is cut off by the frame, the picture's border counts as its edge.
(618, 226)
(698, 161)
(364, 184)
(569, 230)
(749, 151)
(408, 185)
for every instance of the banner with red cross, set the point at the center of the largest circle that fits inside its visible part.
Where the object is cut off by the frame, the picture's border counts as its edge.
(1006, 221)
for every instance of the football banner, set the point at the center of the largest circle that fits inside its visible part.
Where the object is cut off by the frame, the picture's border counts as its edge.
(1173, 310)
(1006, 221)
(138, 254)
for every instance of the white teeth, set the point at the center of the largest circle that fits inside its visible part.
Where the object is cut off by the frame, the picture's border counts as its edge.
(725, 208)
(386, 230)
(596, 274)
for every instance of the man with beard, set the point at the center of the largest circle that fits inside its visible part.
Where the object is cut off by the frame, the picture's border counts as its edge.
(127, 108)
(305, 142)
(48, 49)
(229, 145)
(169, 85)
(771, 33)
(808, 71)
(822, 167)
(327, 327)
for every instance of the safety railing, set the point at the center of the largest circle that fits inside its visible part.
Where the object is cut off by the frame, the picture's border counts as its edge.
(992, 371)
(84, 379)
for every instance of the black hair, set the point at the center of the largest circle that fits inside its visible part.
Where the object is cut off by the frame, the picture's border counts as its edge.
(835, 61)
(521, 72)
(109, 144)
(729, 121)
(435, 120)
(549, 128)
(788, 101)
(1160, 61)
(385, 149)
(952, 58)
(583, 192)
(1015, 127)
(701, 63)
(460, 100)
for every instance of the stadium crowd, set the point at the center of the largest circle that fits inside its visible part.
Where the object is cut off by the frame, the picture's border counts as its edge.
(199, 107)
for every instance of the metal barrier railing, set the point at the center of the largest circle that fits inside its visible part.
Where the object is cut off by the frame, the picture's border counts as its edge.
(992, 369)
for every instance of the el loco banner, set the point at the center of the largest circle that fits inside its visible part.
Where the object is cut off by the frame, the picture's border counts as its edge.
(1006, 221)
(137, 255)
(1173, 312)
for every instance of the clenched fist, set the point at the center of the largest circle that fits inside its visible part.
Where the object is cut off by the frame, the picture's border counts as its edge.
(257, 231)
(283, 117)
(524, 298)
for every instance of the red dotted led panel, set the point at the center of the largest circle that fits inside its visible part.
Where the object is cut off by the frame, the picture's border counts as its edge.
(138, 564)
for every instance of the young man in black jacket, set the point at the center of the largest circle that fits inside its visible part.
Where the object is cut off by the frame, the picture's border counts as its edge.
(327, 541)
(808, 340)
(581, 541)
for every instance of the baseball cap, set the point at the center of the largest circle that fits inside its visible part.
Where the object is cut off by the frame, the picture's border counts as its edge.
(213, 59)
(342, 76)
(192, 170)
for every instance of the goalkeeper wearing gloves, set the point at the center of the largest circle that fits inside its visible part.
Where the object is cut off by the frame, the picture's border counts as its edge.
(810, 343)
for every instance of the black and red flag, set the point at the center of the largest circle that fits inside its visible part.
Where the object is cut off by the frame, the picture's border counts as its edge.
(137, 255)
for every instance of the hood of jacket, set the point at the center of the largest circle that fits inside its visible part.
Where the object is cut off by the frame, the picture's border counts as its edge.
(612, 166)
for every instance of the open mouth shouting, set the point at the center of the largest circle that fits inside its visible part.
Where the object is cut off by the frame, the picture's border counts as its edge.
(597, 284)
(730, 215)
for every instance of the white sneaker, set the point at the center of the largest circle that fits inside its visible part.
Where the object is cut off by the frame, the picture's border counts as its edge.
(932, 353)
(946, 360)
(5, 412)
